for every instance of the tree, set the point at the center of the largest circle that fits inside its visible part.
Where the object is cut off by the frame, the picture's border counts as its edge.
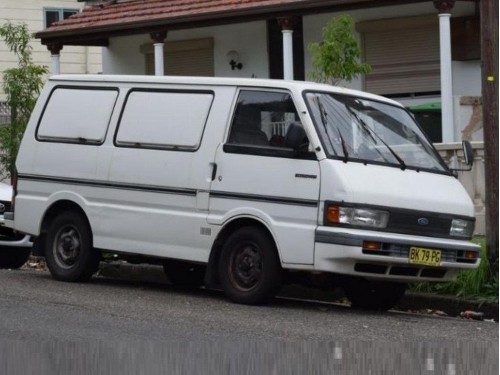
(336, 58)
(489, 52)
(21, 86)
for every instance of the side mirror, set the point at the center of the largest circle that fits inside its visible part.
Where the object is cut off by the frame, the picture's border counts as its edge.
(468, 153)
(468, 156)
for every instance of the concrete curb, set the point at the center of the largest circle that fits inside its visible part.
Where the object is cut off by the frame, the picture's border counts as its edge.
(416, 302)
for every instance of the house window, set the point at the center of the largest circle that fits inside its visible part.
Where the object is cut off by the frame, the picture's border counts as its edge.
(52, 15)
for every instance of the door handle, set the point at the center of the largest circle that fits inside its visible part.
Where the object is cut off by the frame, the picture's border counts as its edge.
(214, 170)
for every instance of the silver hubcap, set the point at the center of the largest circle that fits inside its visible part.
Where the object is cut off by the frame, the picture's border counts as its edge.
(67, 246)
(246, 266)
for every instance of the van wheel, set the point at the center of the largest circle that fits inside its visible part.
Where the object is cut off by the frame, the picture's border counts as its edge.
(13, 257)
(374, 295)
(249, 267)
(184, 274)
(69, 251)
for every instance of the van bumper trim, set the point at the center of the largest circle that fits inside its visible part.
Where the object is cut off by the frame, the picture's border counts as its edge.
(349, 239)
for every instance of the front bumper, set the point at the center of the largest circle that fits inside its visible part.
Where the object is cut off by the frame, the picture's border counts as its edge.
(10, 239)
(340, 250)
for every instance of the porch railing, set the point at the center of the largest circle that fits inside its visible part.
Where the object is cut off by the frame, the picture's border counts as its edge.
(4, 113)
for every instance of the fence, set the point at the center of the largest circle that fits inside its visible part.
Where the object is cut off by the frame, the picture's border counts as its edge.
(4, 113)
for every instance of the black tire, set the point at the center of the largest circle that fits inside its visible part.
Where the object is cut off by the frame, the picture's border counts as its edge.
(184, 274)
(14, 257)
(374, 295)
(69, 249)
(249, 267)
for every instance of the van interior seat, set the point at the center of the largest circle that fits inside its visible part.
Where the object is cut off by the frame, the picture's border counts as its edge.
(295, 135)
(247, 127)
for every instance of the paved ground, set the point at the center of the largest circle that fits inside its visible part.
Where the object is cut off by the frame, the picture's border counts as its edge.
(129, 326)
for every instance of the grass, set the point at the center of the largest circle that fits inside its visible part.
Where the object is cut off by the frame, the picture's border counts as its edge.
(476, 284)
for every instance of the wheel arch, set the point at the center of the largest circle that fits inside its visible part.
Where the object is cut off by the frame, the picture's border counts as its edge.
(56, 208)
(232, 225)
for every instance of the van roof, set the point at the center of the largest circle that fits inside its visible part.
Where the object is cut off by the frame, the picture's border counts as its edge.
(219, 81)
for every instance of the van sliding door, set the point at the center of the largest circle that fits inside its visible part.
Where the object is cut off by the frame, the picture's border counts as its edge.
(160, 173)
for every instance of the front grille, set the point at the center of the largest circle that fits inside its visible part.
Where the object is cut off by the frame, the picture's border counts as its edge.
(422, 223)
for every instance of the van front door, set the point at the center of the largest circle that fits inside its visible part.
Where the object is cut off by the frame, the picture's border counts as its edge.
(260, 175)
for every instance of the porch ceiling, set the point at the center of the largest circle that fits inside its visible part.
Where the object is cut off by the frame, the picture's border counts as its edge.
(97, 23)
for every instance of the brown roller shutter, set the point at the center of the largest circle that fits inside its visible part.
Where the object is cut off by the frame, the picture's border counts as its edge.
(403, 54)
(184, 58)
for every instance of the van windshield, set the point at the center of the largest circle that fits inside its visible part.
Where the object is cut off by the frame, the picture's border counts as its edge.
(362, 130)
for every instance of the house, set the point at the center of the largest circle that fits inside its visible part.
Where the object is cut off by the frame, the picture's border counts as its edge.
(400, 38)
(422, 52)
(39, 14)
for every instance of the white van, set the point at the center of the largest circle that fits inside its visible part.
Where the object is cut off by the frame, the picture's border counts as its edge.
(241, 183)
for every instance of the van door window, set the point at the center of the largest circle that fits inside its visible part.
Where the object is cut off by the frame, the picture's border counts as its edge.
(266, 123)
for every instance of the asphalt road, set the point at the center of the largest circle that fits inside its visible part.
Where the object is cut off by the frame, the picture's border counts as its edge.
(127, 326)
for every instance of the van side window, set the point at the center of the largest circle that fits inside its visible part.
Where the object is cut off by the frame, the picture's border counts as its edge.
(164, 119)
(77, 115)
(267, 122)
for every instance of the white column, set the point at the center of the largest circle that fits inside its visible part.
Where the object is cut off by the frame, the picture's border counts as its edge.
(448, 132)
(159, 70)
(159, 40)
(287, 54)
(55, 64)
(55, 55)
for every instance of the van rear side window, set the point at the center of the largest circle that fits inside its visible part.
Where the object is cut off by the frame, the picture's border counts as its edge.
(164, 119)
(77, 115)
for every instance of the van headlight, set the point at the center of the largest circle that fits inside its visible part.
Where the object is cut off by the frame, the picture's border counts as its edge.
(462, 228)
(356, 216)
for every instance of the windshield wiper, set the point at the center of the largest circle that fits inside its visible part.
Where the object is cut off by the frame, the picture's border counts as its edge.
(366, 128)
(323, 115)
(344, 147)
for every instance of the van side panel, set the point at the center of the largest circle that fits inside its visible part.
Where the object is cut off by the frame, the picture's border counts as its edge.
(158, 203)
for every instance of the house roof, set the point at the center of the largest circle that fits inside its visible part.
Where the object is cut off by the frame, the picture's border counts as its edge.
(97, 22)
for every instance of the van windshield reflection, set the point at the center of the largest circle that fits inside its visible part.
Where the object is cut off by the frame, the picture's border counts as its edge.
(362, 130)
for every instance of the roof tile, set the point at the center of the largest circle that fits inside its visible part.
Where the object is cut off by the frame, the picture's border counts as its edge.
(144, 10)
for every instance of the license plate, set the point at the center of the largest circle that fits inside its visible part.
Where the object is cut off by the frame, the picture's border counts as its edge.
(426, 257)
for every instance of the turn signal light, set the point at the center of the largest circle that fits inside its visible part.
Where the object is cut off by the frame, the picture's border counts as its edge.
(470, 255)
(371, 245)
(333, 214)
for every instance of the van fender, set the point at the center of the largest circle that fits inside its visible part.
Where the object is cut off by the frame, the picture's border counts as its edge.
(250, 213)
(68, 197)
(227, 224)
